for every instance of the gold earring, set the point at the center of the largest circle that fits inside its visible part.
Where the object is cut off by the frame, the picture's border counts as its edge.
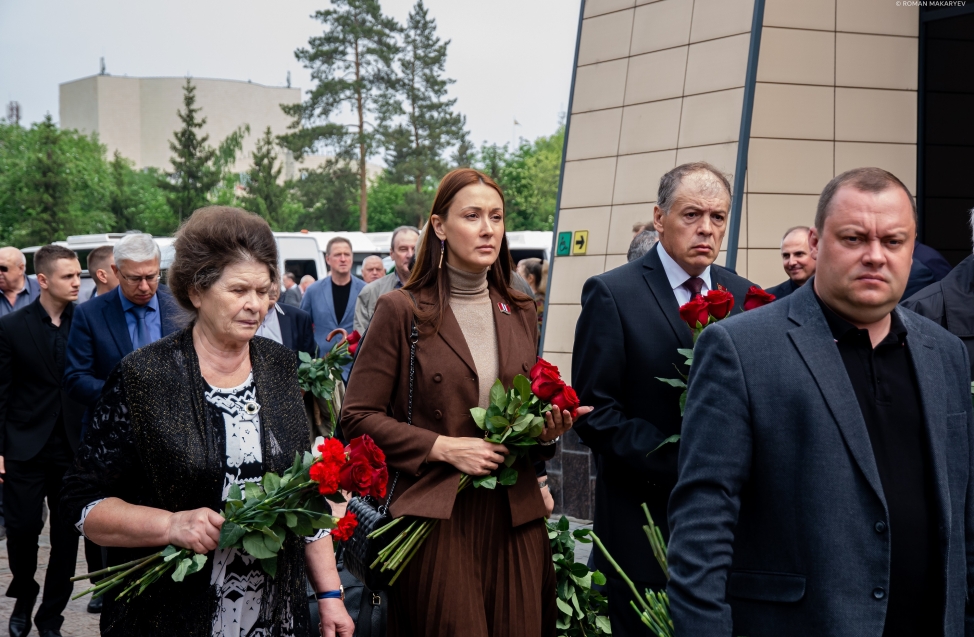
(442, 252)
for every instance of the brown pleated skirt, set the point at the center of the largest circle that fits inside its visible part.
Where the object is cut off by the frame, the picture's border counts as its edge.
(475, 576)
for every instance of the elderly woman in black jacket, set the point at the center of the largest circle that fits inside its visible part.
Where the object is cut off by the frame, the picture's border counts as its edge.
(181, 421)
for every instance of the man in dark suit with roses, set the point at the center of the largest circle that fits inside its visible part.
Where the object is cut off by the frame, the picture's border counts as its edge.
(826, 485)
(627, 336)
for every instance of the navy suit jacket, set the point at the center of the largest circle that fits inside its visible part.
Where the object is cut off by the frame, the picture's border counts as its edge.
(626, 337)
(775, 518)
(99, 339)
(297, 330)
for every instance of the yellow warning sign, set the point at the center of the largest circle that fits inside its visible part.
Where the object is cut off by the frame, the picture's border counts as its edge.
(580, 242)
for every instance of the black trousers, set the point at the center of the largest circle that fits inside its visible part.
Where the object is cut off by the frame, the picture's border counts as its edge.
(625, 621)
(26, 484)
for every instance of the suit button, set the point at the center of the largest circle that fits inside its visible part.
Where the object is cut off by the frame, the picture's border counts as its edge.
(437, 378)
(880, 527)
(879, 592)
(438, 414)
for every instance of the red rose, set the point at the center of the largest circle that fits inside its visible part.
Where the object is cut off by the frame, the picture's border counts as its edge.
(540, 366)
(346, 526)
(719, 303)
(546, 384)
(364, 448)
(353, 341)
(380, 481)
(567, 400)
(356, 477)
(756, 297)
(695, 311)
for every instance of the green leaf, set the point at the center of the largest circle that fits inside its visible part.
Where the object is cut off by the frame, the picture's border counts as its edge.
(673, 382)
(497, 424)
(563, 524)
(563, 607)
(479, 416)
(234, 493)
(507, 476)
(523, 386)
(290, 519)
(198, 562)
(182, 569)
(170, 551)
(254, 544)
(304, 357)
(578, 608)
(673, 438)
(523, 423)
(271, 482)
(498, 395)
(269, 565)
(230, 534)
(579, 570)
(598, 578)
(603, 624)
(252, 490)
(485, 482)
(273, 539)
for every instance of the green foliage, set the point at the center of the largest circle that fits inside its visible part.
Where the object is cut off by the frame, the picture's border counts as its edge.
(391, 206)
(529, 178)
(321, 375)
(582, 610)
(327, 196)
(136, 201)
(423, 125)
(265, 194)
(351, 65)
(194, 174)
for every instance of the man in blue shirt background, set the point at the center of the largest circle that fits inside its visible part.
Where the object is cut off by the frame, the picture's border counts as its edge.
(18, 289)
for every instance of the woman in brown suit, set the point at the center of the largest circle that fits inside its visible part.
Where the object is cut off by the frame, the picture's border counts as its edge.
(486, 569)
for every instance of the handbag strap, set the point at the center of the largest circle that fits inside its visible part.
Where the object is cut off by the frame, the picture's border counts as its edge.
(413, 340)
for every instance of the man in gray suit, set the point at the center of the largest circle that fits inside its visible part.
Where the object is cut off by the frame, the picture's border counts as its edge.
(825, 479)
(292, 293)
(404, 240)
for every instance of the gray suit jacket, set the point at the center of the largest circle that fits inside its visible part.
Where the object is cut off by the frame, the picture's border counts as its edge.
(367, 298)
(774, 517)
(292, 296)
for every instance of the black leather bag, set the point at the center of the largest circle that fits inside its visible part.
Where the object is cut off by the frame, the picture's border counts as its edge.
(361, 551)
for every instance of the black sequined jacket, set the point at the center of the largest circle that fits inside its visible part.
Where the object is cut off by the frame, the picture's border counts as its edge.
(151, 443)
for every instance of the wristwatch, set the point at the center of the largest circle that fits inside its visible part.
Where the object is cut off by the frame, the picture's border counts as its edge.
(339, 594)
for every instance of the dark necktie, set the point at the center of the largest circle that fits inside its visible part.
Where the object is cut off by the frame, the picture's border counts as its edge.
(694, 284)
(141, 331)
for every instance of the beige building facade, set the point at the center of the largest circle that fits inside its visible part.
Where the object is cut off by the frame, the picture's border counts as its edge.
(137, 116)
(811, 89)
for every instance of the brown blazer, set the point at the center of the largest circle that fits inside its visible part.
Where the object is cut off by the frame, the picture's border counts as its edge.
(446, 387)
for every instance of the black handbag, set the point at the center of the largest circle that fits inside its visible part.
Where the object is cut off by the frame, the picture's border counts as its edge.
(361, 551)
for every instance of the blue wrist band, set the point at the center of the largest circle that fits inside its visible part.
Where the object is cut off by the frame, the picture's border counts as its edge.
(330, 595)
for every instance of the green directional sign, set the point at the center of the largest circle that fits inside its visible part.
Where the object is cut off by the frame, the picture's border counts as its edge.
(564, 244)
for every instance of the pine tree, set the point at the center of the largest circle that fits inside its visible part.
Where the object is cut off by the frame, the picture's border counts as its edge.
(428, 126)
(46, 187)
(193, 175)
(120, 203)
(351, 63)
(266, 196)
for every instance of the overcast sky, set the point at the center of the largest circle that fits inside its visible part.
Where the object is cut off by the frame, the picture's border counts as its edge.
(510, 58)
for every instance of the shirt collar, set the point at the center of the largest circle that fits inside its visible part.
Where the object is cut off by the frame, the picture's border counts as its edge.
(843, 329)
(279, 309)
(127, 305)
(66, 313)
(676, 275)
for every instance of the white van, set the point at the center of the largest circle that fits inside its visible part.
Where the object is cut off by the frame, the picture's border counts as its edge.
(362, 246)
(528, 244)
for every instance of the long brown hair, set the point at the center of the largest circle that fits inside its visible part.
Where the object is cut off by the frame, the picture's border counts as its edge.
(427, 273)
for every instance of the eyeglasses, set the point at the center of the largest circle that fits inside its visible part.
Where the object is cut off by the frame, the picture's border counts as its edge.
(137, 280)
(4, 269)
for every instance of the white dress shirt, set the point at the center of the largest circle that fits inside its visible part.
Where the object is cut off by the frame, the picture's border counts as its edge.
(271, 327)
(677, 276)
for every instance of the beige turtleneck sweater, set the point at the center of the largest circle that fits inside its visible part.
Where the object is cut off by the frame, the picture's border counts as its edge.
(470, 302)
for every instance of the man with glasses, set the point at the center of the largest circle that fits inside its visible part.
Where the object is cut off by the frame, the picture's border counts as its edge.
(110, 326)
(18, 289)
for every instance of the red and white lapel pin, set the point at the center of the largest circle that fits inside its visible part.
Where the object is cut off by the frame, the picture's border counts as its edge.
(504, 307)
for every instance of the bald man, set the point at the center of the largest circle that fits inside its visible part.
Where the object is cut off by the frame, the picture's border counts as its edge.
(373, 269)
(18, 289)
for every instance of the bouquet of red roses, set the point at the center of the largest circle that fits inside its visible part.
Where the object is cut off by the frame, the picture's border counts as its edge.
(514, 418)
(698, 313)
(259, 516)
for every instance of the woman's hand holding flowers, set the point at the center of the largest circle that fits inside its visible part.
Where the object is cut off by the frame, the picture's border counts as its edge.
(557, 422)
(472, 456)
(197, 530)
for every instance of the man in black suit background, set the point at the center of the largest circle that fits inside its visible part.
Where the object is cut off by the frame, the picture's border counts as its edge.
(288, 325)
(627, 335)
(40, 428)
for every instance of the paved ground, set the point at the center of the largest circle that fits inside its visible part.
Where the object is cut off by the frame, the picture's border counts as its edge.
(77, 621)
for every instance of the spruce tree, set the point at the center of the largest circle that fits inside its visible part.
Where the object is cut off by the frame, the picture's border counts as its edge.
(351, 63)
(46, 187)
(193, 175)
(265, 195)
(427, 125)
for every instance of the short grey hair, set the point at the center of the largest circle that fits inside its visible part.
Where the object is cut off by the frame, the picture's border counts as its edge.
(20, 255)
(669, 182)
(806, 229)
(136, 247)
(372, 256)
(400, 230)
(641, 244)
